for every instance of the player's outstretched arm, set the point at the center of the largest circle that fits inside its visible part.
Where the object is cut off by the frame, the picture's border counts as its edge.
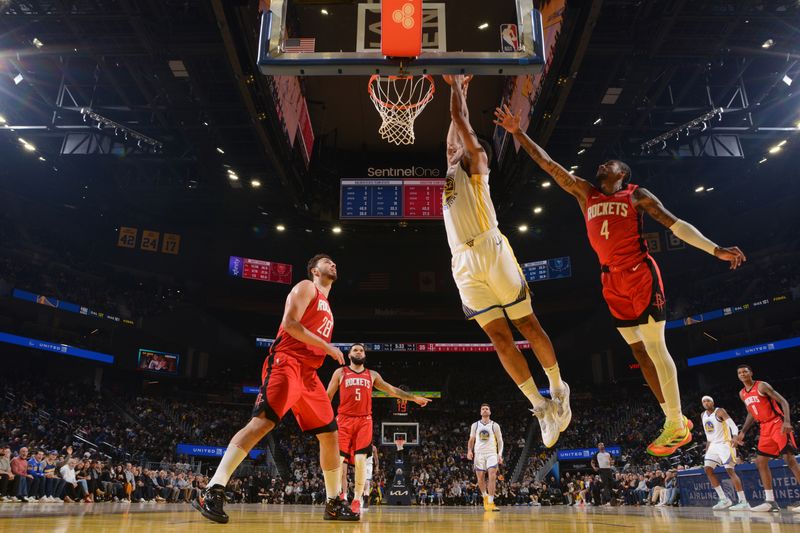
(379, 383)
(296, 304)
(479, 162)
(646, 201)
(767, 390)
(577, 187)
(333, 385)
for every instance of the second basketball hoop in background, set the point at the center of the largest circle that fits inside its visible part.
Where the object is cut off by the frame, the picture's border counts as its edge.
(399, 100)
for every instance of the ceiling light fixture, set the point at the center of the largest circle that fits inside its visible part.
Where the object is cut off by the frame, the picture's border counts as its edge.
(483, 26)
(769, 43)
(598, 121)
(775, 149)
(255, 184)
(37, 43)
(546, 184)
(764, 159)
(220, 150)
(537, 209)
(233, 177)
(280, 227)
(523, 228)
(324, 11)
(787, 80)
(29, 147)
(700, 189)
(582, 150)
(3, 121)
(336, 229)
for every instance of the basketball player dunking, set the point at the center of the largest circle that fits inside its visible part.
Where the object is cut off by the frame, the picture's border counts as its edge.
(489, 280)
(485, 447)
(776, 436)
(290, 381)
(720, 431)
(613, 209)
(354, 418)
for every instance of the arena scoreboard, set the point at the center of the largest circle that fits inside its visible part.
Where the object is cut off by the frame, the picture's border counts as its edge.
(256, 269)
(391, 199)
(557, 268)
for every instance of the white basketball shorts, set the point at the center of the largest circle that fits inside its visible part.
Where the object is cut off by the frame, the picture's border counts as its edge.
(489, 279)
(485, 461)
(720, 454)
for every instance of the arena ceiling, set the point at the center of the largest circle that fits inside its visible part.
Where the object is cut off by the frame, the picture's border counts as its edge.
(183, 72)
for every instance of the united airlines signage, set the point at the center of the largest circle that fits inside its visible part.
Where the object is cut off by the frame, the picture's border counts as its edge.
(586, 453)
(199, 450)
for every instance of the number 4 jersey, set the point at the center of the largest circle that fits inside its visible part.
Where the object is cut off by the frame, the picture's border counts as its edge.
(318, 319)
(632, 285)
(615, 228)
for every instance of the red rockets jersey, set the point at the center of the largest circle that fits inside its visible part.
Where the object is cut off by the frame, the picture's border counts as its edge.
(355, 392)
(615, 228)
(318, 319)
(763, 408)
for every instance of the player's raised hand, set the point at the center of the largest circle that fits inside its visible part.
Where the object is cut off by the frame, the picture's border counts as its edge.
(421, 401)
(506, 119)
(335, 353)
(733, 255)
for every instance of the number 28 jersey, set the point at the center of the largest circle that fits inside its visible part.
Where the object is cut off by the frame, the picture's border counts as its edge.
(318, 319)
(615, 228)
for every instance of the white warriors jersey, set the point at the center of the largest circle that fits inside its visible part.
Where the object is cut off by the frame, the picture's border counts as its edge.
(717, 432)
(467, 206)
(485, 439)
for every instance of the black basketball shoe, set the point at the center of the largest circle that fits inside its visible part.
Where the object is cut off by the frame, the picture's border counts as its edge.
(336, 509)
(210, 503)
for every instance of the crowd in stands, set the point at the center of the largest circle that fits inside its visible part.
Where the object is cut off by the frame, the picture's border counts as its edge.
(69, 443)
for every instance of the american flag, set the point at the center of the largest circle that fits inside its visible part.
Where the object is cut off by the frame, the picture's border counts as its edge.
(299, 45)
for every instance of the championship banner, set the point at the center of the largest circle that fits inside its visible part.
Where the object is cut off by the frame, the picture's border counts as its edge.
(696, 490)
(127, 237)
(171, 244)
(150, 240)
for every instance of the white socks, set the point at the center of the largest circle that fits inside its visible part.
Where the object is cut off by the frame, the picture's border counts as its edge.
(361, 475)
(528, 388)
(491, 499)
(233, 457)
(333, 482)
(741, 496)
(769, 496)
(664, 407)
(554, 377)
(656, 345)
(720, 492)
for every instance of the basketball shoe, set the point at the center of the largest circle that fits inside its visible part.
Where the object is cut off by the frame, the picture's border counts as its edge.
(722, 504)
(741, 506)
(547, 423)
(563, 412)
(766, 507)
(673, 436)
(336, 509)
(210, 503)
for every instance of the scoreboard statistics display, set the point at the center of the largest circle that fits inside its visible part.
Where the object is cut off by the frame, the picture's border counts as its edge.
(256, 269)
(392, 199)
(557, 268)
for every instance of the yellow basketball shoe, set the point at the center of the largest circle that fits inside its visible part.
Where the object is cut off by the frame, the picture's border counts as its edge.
(673, 436)
(486, 503)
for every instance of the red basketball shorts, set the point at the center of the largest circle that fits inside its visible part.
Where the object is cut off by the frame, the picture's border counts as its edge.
(773, 442)
(635, 294)
(286, 383)
(355, 436)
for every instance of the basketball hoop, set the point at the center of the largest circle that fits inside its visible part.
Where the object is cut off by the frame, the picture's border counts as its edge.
(399, 100)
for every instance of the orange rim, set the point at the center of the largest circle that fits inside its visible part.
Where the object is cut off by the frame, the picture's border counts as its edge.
(387, 105)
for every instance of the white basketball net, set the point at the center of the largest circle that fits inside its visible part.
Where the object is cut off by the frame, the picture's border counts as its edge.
(399, 100)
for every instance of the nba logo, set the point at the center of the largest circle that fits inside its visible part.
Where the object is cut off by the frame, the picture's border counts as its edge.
(509, 38)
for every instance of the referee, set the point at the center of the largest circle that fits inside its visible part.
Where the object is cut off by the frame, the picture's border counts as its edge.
(602, 464)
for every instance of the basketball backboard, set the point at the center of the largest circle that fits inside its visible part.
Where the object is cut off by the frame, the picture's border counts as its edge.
(346, 40)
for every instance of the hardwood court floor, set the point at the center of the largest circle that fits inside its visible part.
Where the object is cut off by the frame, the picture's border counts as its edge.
(164, 518)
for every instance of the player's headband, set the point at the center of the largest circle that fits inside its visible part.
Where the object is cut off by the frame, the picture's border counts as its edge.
(709, 398)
